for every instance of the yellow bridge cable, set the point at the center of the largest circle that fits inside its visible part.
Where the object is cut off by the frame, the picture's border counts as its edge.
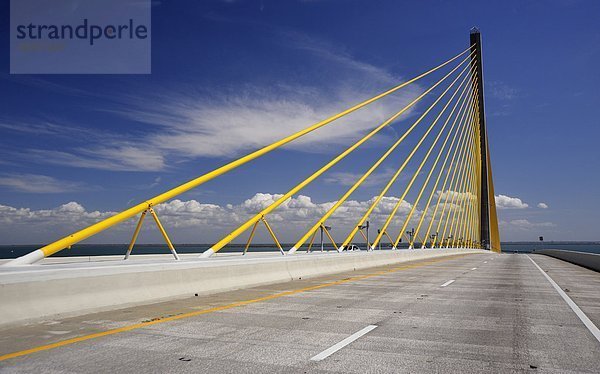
(468, 224)
(235, 233)
(139, 208)
(424, 186)
(397, 205)
(454, 169)
(367, 214)
(471, 213)
(477, 166)
(433, 168)
(451, 150)
(462, 194)
(463, 197)
(455, 157)
(457, 238)
(401, 232)
(345, 196)
(459, 234)
(400, 200)
(455, 193)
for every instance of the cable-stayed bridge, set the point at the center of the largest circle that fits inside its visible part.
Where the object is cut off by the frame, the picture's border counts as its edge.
(457, 194)
(429, 292)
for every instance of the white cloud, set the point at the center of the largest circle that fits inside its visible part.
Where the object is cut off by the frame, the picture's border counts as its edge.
(35, 183)
(191, 125)
(349, 178)
(193, 221)
(118, 157)
(300, 209)
(69, 214)
(542, 205)
(502, 91)
(182, 124)
(156, 182)
(44, 127)
(507, 202)
(524, 224)
(454, 195)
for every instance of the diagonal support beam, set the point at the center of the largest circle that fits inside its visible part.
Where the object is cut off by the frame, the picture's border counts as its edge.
(135, 234)
(271, 232)
(324, 228)
(164, 233)
(160, 228)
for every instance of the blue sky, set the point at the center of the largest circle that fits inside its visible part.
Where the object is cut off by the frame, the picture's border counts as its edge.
(230, 76)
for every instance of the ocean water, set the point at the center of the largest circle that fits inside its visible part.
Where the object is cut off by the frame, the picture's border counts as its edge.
(12, 251)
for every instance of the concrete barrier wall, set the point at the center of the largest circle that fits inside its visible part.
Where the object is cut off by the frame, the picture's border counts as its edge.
(585, 259)
(55, 290)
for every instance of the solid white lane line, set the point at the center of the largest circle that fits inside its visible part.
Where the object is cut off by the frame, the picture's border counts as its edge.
(336, 347)
(448, 283)
(586, 321)
(474, 269)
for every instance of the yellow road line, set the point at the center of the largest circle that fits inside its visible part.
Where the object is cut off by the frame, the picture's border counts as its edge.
(63, 343)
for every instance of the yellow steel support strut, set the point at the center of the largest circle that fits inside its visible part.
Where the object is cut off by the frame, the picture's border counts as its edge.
(250, 237)
(271, 232)
(135, 234)
(273, 235)
(78, 236)
(160, 228)
(329, 235)
(164, 233)
(389, 238)
(312, 240)
(364, 237)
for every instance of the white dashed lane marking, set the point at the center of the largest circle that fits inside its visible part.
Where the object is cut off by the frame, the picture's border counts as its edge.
(336, 347)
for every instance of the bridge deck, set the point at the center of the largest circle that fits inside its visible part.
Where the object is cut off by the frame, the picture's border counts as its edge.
(499, 314)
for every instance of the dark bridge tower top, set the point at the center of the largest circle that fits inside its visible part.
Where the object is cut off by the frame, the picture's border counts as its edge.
(484, 189)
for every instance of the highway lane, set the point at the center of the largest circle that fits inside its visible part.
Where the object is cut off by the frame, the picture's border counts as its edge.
(473, 313)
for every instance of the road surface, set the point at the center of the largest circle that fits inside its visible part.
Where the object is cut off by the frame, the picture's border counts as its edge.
(470, 313)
